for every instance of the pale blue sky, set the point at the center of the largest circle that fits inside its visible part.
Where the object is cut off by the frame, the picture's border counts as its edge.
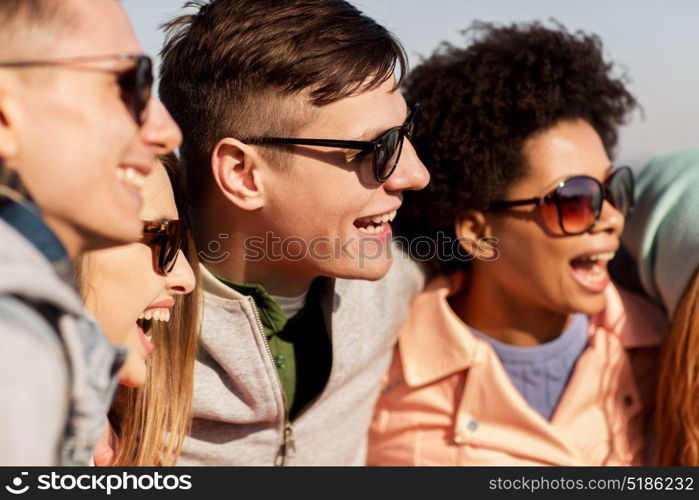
(656, 41)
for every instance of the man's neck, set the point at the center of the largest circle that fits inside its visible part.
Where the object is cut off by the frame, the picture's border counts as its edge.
(71, 240)
(276, 277)
(225, 249)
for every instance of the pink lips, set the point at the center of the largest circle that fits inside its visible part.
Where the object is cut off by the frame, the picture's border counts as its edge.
(161, 304)
(144, 341)
(383, 235)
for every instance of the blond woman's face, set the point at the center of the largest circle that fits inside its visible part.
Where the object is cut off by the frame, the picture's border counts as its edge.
(122, 286)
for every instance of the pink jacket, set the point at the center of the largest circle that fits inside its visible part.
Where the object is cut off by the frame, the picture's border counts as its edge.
(447, 399)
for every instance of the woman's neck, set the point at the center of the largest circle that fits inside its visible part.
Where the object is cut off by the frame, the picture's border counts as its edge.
(517, 321)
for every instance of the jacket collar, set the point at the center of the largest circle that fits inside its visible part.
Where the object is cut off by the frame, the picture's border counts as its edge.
(328, 296)
(215, 287)
(19, 211)
(435, 342)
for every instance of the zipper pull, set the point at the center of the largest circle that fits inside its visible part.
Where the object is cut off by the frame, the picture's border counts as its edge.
(288, 447)
(289, 442)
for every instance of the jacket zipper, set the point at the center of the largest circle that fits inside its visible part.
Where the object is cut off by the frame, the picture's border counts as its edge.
(288, 446)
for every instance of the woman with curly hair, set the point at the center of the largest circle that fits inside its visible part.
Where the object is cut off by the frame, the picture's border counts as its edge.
(521, 351)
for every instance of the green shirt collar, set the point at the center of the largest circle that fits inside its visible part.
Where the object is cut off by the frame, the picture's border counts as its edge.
(271, 314)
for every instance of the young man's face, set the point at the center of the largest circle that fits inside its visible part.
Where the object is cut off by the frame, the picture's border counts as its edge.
(324, 195)
(75, 143)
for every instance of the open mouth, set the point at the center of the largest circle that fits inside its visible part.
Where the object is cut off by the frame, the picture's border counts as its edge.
(146, 321)
(591, 270)
(375, 224)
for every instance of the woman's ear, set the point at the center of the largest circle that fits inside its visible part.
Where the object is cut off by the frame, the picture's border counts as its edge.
(472, 230)
(236, 170)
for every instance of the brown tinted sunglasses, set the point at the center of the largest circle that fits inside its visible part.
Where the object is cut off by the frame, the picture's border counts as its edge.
(165, 238)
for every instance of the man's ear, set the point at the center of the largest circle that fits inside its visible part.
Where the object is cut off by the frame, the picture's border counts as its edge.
(471, 227)
(236, 169)
(8, 134)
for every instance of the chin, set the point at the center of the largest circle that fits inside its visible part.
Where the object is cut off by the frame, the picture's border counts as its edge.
(370, 271)
(134, 372)
(98, 239)
(132, 381)
(590, 305)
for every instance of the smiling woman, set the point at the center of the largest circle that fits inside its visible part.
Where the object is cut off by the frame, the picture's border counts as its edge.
(528, 356)
(140, 295)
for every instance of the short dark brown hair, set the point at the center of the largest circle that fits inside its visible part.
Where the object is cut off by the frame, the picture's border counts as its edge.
(481, 103)
(242, 68)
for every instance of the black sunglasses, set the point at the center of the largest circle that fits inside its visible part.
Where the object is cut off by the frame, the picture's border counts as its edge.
(165, 238)
(576, 203)
(135, 82)
(386, 148)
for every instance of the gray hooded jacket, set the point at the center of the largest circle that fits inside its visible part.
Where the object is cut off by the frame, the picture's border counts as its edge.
(239, 410)
(56, 385)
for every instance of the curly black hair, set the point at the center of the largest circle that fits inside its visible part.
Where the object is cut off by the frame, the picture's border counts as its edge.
(481, 103)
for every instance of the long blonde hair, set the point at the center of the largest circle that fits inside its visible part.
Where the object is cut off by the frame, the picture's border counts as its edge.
(151, 422)
(677, 417)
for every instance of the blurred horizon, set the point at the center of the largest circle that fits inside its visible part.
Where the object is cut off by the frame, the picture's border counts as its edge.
(653, 41)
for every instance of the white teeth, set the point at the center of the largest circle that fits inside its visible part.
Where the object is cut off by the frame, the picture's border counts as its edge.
(601, 256)
(380, 219)
(132, 177)
(372, 229)
(596, 275)
(156, 315)
(149, 338)
(606, 256)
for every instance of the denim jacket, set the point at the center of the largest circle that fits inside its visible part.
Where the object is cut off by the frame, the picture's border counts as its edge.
(58, 369)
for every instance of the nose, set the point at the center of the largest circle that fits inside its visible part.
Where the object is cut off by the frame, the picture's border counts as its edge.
(181, 281)
(610, 220)
(159, 131)
(410, 173)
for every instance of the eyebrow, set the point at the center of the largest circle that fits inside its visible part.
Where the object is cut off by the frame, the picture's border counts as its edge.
(553, 184)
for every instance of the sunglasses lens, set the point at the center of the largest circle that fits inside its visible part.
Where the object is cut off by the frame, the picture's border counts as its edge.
(410, 123)
(144, 87)
(388, 154)
(579, 202)
(165, 243)
(136, 86)
(175, 243)
(620, 187)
